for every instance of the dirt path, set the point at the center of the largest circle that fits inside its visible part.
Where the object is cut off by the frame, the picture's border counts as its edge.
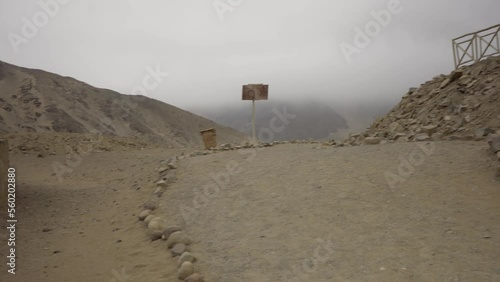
(293, 213)
(94, 233)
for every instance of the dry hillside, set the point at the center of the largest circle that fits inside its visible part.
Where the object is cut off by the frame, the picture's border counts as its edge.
(38, 101)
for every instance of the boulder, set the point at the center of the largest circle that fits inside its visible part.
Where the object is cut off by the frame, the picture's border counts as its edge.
(156, 224)
(149, 218)
(150, 205)
(494, 143)
(429, 129)
(178, 237)
(144, 214)
(372, 140)
(422, 137)
(186, 256)
(156, 235)
(185, 270)
(178, 249)
(171, 229)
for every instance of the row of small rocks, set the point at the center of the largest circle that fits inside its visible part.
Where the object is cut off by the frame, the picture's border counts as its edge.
(248, 145)
(176, 239)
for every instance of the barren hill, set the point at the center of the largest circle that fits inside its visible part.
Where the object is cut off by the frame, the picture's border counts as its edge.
(463, 105)
(39, 101)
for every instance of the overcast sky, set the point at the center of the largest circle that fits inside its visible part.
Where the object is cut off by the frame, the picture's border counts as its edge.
(292, 45)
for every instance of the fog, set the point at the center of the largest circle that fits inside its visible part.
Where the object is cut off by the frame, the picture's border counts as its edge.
(211, 48)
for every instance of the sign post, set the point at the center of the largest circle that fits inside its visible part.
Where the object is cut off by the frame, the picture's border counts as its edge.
(255, 92)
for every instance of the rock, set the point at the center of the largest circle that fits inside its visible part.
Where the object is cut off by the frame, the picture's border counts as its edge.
(149, 218)
(150, 205)
(412, 89)
(162, 169)
(479, 134)
(494, 143)
(195, 278)
(156, 224)
(445, 103)
(178, 237)
(497, 175)
(172, 166)
(46, 229)
(171, 229)
(156, 235)
(185, 270)
(437, 136)
(398, 135)
(422, 137)
(430, 129)
(144, 214)
(167, 179)
(498, 156)
(225, 147)
(186, 256)
(178, 249)
(372, 141)
(162, 183)
(445, 83)
(395, 127)
(159, 191)
(456, 74)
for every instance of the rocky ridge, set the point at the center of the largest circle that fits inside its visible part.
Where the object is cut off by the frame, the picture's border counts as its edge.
(464, 105)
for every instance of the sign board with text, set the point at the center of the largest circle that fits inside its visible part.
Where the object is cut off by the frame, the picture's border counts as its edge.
(255, 92)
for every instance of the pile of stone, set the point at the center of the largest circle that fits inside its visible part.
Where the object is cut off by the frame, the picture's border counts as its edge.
(176, 240)
(464, 105)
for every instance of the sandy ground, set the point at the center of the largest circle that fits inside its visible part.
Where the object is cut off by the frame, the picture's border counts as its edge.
(293, 213)
(95, 234)
(288, 213)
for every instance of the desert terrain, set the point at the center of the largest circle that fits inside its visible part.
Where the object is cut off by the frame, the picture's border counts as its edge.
(291, 212)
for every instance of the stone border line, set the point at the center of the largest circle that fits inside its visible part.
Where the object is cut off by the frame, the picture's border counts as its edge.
(157, 228)
(176, 239)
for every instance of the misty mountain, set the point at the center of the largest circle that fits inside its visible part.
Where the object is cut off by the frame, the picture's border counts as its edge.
(311, 119)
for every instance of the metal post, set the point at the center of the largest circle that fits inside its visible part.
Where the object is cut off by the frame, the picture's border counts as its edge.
(253, 122)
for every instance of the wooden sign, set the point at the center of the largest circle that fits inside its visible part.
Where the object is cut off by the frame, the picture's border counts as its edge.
(255, 92)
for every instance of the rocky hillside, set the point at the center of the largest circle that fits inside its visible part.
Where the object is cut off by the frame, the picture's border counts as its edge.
(38, 101)
(464, 105)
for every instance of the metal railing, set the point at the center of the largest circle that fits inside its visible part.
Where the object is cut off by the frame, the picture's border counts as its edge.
(473, 47)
